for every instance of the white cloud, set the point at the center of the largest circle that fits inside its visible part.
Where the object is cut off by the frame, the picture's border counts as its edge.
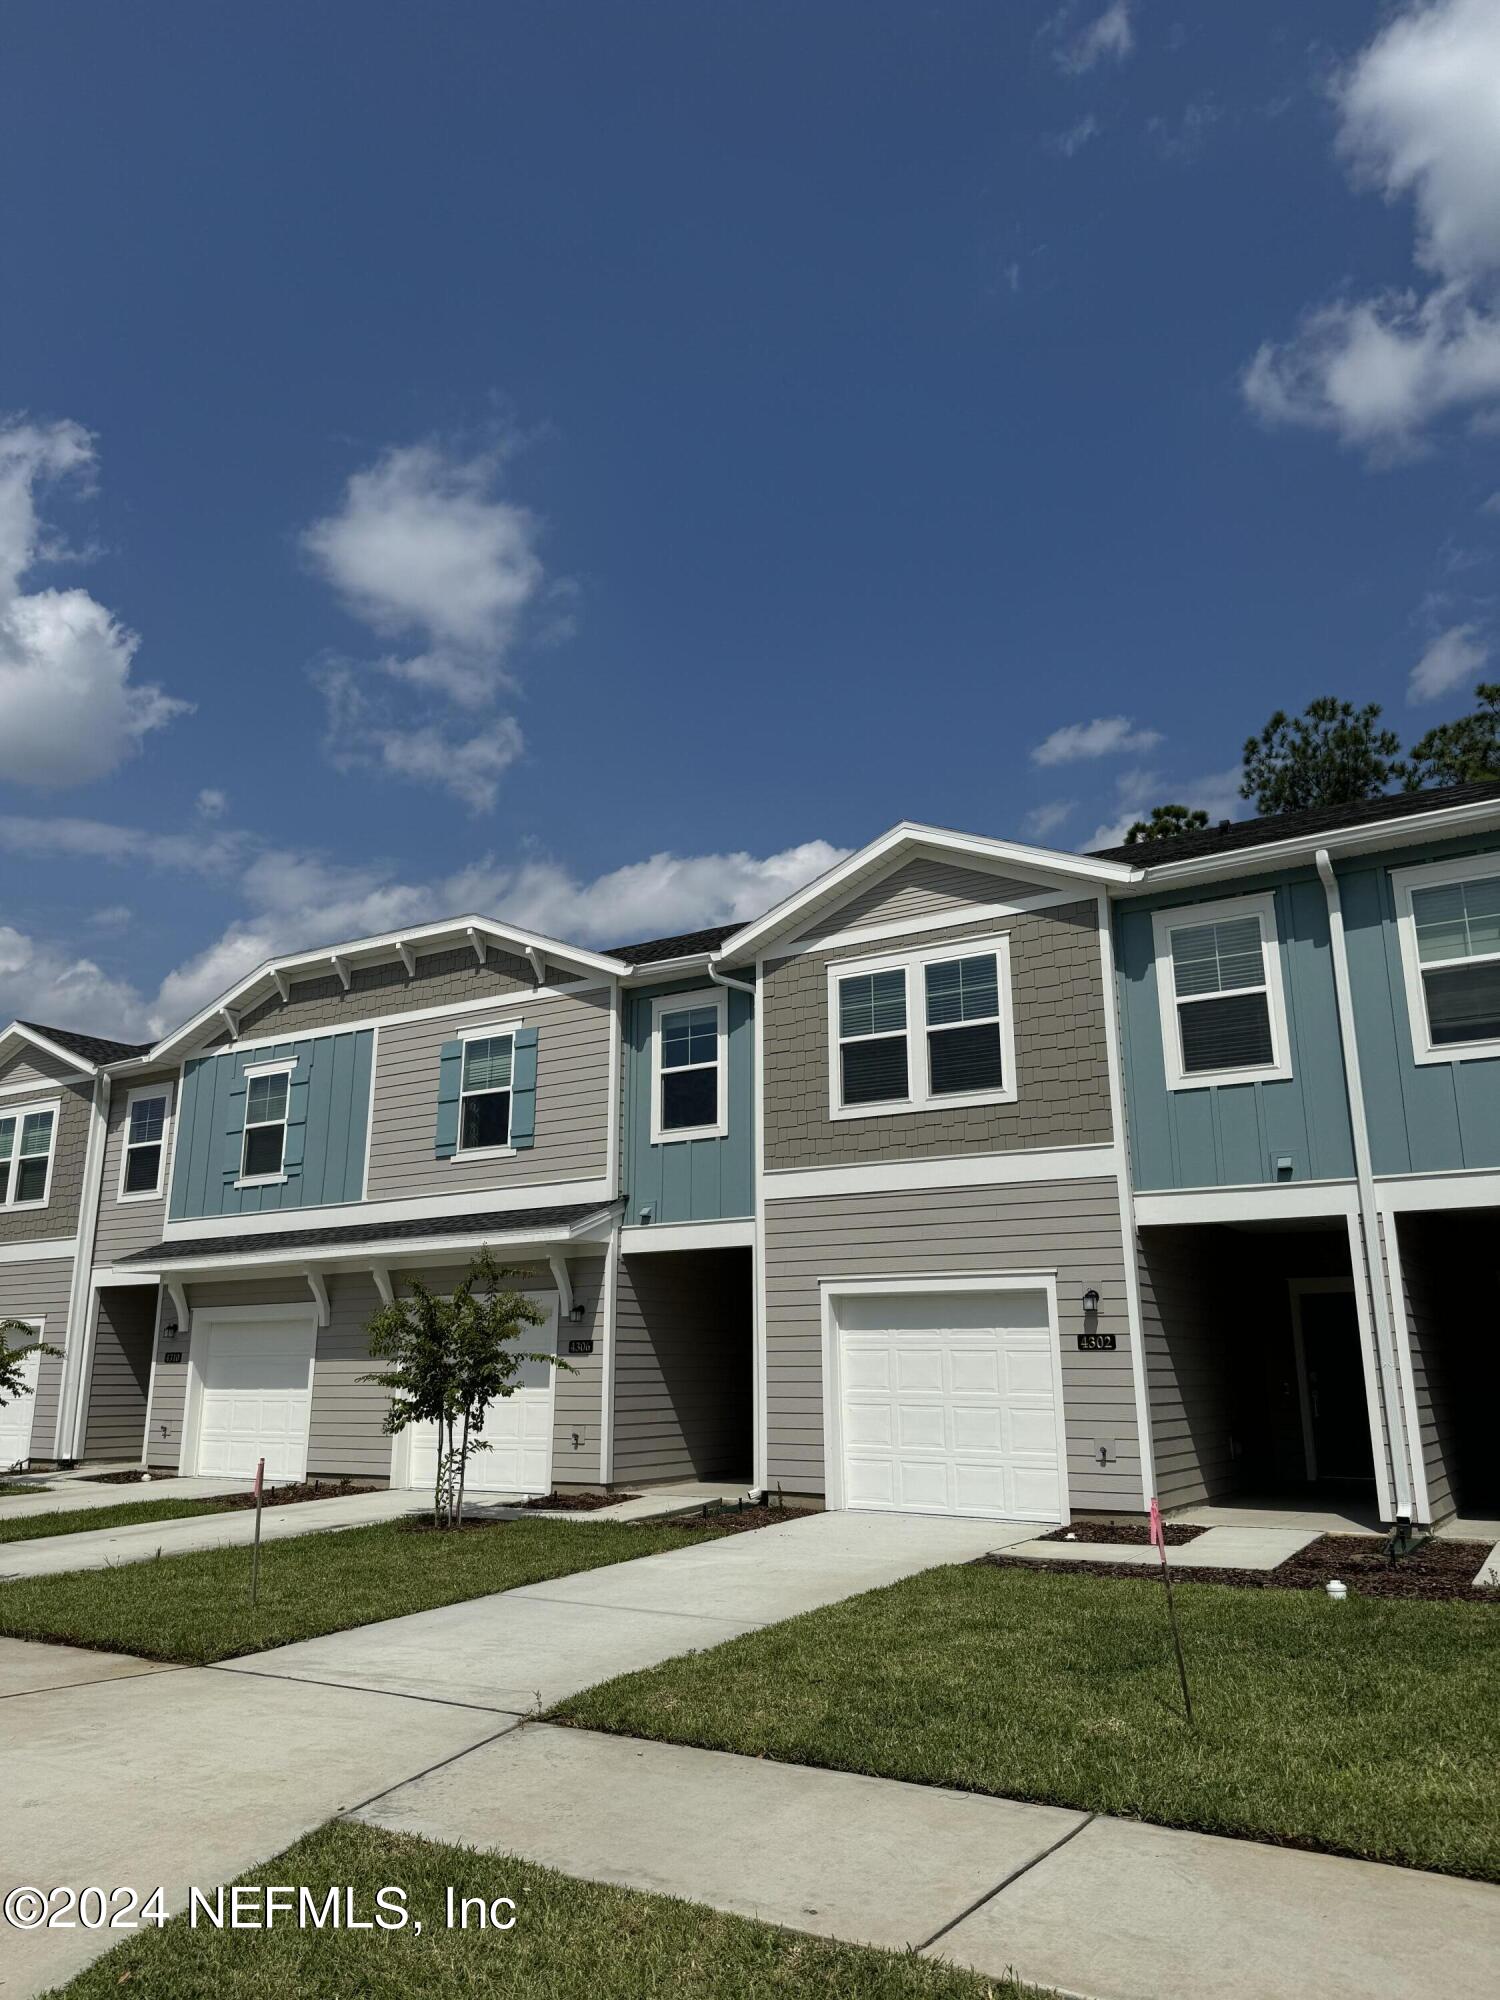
(1453, 658)
(1045, 819)
(1419, 117)
(212, 803)
(94, 840)
(1109, 37)
(53, 984)
(423, 548)
(1217, 793)
(1105, 736)
(1490, 506)
(113, 917)
(1076, 136)
(63, 656)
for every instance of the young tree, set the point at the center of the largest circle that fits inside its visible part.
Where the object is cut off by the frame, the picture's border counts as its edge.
(1330, 755)
(1165, 823)
(1459, 752)
(451, 1358)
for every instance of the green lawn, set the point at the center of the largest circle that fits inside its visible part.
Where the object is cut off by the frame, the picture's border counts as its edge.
(19, 1486)
(79, 1520)
(572, 1940)
(197, 1608)
(1369, 1728)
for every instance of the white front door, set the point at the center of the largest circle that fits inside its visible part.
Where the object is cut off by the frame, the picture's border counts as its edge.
(517, 1431)
(949, 1404)
(255, 1394)
(16, 1416)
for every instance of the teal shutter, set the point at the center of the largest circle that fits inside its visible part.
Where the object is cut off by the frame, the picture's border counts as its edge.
(234, 1128)
(523, 1089)
(295, 1150)
(450, 1080)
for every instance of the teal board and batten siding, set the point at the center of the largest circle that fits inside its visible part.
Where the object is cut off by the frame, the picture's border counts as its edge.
(1232, 1135)
(1423, 1117)
(329, 1110)
(688, 1180)
(1070, 1227)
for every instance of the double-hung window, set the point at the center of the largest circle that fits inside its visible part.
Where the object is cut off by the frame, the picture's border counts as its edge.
(484, 1093)
(924, 1029)
(689, 1040)
(26, 1143)
(1449, 919)
(1219, 981)
(145, 1143)
(267, 1095)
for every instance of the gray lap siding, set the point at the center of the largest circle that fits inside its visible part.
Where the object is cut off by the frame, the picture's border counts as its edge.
(40, 1292)
(1072, 1228)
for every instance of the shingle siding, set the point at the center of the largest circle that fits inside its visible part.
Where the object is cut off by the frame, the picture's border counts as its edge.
(443, 979)
(35, 1065)
(59, 1216)
(1062, 1063)
(1071, 1227)
(572, 1103)
(921, 889)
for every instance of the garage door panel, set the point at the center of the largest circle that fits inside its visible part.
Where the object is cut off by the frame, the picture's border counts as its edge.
(255, 1397)
(948, 1404)
(517, 1435)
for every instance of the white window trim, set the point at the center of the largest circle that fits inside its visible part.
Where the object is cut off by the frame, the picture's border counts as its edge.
(145, 1090)
(492, 1031)
(716, 997)
(21, 1112)
(920, 1096)
(1182, 917)
(1435, 875)
(283, 1067)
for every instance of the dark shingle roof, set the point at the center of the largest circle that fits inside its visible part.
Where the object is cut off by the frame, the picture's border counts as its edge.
(1227, 838)
(92, 1048)
(656, 951)
(509, 1222)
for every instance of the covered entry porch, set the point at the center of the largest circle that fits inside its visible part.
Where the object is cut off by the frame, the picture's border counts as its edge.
(1261, 1371)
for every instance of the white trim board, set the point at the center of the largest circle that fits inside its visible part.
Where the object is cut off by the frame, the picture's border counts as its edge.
(1189, 916)
(686, 1002)
(918, 1029)
(1247, 1204)
(1478, 1188)
(831, 1290)
(913, 927)
(414, 1208)
(36, 1083)
(523, 996)
(1437, 875)
(1017, 1167)
(638, 1240)
(45, 1250)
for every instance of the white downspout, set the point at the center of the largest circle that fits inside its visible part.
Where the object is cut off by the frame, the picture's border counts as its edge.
(72, 1405)
(1364, 1174)
(723, 979)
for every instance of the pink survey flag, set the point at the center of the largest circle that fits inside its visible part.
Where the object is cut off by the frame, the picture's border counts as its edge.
(1158, 1533)
(260, 1478)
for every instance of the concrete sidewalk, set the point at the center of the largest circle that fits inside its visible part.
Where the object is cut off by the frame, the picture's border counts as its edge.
(531, 1647)
(1234, 1547)
(138, 1541)
(1107, 1908)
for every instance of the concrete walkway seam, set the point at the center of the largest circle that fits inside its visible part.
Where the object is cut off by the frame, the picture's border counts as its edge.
(353, 1687)
(1005, 1882)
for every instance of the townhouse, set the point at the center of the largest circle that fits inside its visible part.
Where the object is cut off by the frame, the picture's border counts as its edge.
(975, 1177)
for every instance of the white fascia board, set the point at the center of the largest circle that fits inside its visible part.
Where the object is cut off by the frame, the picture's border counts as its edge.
(43, 1250)
(390, 944)
(393, 1252)
(1272, 1203)
(338, 1215)
(1478, 1187)
(640, 1237)
(19, 1029)
(910, 837)
(1446, 824)
(1021, 1166)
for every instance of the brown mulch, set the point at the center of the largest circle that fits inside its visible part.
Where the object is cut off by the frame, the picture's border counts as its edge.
(736, 1520)
(1436, 1570)
(1133, 1534)
(306, 1489)
(122, 1478)
(579, 1503)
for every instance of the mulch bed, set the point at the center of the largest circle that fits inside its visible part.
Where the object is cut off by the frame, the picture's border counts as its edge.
(122, 1478)
(736, 1520)
(1131, 1534)
(1435, 1570)
(579, 1503)
(306, 1489)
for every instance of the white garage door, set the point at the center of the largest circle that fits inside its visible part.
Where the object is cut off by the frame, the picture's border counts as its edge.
(518, 1429)
(255, 1397)
(16, 1416)
(949, 1404)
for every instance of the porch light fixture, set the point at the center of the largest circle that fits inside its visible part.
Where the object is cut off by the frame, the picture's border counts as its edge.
(1090, 1301)
(575, 1312)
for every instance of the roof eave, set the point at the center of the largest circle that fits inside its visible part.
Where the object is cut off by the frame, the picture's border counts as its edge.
(80, 1064)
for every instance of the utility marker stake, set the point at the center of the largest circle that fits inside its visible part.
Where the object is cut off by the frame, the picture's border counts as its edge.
(260, 1480)
(1159, 1537)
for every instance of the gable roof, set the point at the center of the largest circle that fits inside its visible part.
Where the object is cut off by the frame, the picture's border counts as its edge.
(92, 1049)
(909, 837)
(1231, 837)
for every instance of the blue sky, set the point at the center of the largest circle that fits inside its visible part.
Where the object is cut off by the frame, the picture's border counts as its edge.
(592, 464)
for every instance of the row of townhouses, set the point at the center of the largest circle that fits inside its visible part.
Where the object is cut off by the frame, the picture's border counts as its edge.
(974, 1177)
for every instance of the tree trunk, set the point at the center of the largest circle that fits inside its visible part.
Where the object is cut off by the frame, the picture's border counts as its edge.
(463, 1466)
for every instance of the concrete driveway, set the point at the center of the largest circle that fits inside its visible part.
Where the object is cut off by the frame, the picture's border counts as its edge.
(531, 1647)
(118, 1771)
